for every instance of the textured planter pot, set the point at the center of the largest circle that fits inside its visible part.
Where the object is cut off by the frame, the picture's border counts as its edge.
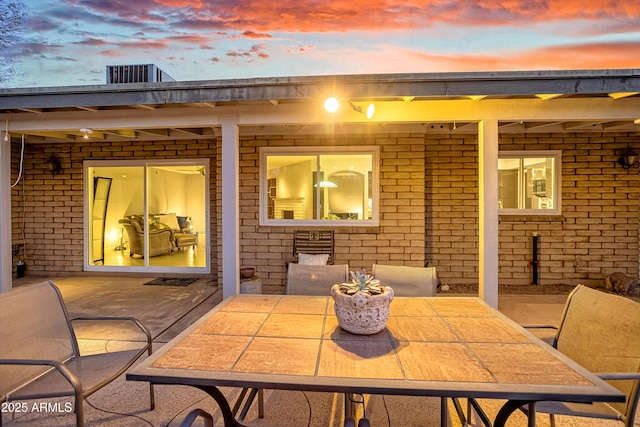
(361, 313)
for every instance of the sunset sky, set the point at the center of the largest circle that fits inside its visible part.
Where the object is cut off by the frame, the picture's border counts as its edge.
(70, 42)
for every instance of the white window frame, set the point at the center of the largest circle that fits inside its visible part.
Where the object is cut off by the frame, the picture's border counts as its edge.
(557, 182)
(374, 151)
(88, 183)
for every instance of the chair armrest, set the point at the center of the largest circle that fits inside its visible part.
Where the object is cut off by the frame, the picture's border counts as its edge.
(139, 324)
(64, 371)
(618, 375)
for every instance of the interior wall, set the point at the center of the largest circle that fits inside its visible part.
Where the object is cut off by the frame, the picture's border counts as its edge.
(195, 208)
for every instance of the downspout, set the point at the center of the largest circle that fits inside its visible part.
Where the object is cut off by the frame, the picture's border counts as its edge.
(534, 258)
(6, 254)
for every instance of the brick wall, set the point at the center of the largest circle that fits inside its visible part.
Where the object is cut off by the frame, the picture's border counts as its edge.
(52, 206)
(399, 239)
(428, 204)
(451, 220)
(596, 235)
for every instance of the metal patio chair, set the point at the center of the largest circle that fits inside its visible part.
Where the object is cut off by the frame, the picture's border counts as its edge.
(40, 357)
(601, 332)
(315, 279)
(407, 281)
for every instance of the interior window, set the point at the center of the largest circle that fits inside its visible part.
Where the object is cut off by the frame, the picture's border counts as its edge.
(529, 182)
(147, 216)
(316, 187)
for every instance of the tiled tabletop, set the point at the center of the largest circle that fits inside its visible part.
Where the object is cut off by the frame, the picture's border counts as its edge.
(431, 346)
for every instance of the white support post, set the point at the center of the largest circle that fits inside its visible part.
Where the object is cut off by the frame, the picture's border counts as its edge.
(488, 200)
(230, 208)
(6, 255)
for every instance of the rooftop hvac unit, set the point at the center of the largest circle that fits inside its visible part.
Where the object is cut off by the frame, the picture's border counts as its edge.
(145, 73)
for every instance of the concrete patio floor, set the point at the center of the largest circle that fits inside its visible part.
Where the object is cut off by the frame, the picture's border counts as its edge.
(125, 403)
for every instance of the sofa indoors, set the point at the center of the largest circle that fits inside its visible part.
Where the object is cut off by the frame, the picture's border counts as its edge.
(161, 236)
(182, 231)
(167, 232)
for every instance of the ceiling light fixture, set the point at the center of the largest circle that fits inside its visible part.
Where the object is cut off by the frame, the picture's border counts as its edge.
(327, 184)
(86, 132)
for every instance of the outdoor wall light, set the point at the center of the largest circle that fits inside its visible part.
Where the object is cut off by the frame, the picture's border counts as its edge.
(331, 104)
(371, 109)
(86, 132)
(53, 164)
(628, 159)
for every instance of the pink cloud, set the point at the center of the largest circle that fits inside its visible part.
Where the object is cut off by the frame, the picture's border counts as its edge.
(113, 53)
(591, 56)
(254, 35)
(259, 18)
(144, 44)
(91, 41)
(189, 38)
(256, 51)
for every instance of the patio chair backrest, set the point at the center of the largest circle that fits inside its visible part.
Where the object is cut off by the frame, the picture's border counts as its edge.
(315, 279)
(601, 332)
(320, 242)
(34, 324)
(407, 281)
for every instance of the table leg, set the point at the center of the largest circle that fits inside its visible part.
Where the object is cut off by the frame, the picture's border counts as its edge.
(444, 413)
(227, 414)
(531, 420)
(507, 409)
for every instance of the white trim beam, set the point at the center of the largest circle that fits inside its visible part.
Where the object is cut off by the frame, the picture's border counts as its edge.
(555, 111)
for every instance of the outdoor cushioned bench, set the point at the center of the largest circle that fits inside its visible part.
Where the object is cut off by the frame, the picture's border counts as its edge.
(39, 354)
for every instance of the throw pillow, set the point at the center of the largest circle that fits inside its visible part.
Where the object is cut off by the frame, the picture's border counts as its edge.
(170, 220)
(308, 259)
(183, 222)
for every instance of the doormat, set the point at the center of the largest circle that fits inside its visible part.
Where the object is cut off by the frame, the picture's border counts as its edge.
(172, 281)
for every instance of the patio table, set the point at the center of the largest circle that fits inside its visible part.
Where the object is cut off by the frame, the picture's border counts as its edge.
(433, 346)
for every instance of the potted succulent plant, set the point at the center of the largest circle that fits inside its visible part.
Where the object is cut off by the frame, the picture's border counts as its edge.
(362, 305)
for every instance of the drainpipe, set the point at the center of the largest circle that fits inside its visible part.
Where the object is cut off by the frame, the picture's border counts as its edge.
(534, 258)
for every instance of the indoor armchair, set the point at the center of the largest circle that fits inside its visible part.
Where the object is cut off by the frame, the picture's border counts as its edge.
(161, 237)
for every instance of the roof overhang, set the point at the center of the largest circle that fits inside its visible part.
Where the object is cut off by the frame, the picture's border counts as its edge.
(526, 101)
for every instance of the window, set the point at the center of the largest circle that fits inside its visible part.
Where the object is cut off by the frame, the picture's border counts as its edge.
(147, 216)
(529, 182)
(318, 185)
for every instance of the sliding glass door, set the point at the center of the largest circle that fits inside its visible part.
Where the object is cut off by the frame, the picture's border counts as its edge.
(153, 218)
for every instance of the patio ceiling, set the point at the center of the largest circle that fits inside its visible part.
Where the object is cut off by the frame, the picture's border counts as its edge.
(531, 102)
